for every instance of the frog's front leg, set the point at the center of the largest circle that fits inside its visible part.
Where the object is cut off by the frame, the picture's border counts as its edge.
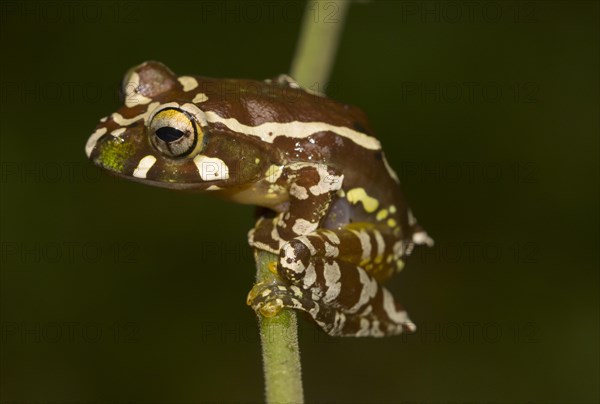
(311, 188)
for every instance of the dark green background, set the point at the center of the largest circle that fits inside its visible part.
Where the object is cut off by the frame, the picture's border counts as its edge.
(115, 292)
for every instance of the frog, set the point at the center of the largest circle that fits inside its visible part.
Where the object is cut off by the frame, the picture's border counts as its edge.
(331, 208)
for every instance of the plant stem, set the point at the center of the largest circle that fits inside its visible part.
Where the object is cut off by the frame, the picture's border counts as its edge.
(279, 338)
(321, 28)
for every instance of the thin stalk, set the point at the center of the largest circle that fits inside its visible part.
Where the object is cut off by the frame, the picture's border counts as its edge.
(280, 351)
(317, 47)
(311, 67)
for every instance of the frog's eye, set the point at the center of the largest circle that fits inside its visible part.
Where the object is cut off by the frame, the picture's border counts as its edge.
(174, 132)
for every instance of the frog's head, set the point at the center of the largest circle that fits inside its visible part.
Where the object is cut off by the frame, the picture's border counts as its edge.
(161, 136)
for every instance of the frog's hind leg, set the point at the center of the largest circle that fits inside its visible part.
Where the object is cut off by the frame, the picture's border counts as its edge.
(343, 299)
(374, 249)
(334, 275)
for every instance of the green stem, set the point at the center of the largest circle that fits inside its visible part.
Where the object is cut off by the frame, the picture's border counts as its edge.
(279, 338)
(321, 29)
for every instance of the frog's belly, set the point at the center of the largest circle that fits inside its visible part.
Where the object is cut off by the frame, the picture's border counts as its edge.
(262, 193)
(339, 215)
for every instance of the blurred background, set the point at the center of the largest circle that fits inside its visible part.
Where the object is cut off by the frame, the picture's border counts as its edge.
(115, 292)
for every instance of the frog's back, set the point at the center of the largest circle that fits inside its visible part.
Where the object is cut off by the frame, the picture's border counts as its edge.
(371, 191)
(255, 103)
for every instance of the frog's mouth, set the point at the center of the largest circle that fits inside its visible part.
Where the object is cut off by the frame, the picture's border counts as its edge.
(179, 186)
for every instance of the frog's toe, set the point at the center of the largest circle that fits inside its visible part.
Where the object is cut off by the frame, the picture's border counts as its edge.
(256, 290)
(271, 308)
(270, 299)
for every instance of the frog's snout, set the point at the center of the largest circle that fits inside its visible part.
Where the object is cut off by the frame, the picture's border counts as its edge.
(109, 150)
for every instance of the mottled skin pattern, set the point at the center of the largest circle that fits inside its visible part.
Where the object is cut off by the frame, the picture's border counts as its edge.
(339, 220)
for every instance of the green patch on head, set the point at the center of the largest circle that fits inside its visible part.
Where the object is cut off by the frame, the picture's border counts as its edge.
(114, 154)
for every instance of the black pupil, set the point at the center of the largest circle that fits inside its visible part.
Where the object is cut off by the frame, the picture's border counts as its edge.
(169, 134)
